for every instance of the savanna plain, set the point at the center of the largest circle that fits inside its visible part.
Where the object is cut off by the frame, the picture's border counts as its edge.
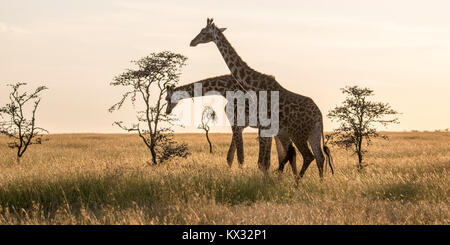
(107, 179)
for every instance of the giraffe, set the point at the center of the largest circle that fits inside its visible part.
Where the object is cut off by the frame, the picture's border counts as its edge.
(222, 84)
(299, 116)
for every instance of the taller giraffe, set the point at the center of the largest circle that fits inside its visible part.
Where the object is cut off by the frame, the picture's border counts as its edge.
(299, 116)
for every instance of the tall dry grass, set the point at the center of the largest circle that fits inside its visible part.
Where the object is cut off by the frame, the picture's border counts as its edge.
(106, 179)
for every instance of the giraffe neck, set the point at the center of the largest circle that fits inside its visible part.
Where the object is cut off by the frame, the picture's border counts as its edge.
(246, 77)
(220, 84)
(239, 69)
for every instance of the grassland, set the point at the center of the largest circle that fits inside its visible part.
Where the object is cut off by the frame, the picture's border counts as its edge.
(106, 179)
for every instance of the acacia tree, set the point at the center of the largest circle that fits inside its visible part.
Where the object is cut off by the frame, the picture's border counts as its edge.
(147, 84)
(357, 117)
(22, 130)
(208, 116)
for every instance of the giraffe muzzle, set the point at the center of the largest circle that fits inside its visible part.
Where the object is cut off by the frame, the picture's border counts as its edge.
(193, 43)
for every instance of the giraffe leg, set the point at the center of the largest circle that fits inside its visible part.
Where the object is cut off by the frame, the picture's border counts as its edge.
(231, 151)
(315, 140)
(307, 155)
(265, 144)
(282, 152)
(239, 145)
(286, 152)
(236, 144)
(291, 157)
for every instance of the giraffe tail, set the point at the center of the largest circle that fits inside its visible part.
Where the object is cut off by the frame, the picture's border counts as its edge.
(328, 153)
(329, 158)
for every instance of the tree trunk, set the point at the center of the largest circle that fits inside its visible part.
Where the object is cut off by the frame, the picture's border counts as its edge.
(360, 159)
(19, 155)
(359, 150)
(152, 151)
(209, 142)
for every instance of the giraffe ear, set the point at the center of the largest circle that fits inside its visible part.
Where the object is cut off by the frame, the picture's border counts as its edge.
(222, 29)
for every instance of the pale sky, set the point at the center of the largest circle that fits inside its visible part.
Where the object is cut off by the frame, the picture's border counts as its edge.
(400, 49)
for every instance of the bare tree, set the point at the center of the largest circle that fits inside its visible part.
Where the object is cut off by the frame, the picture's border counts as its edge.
(22, 130)
(357, 117)
(208, 116)
(147, 84)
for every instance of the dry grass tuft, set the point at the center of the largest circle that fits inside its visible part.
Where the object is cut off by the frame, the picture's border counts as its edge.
(106, 179)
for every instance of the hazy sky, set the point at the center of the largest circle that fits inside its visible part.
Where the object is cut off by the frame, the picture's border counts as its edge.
(401, 49)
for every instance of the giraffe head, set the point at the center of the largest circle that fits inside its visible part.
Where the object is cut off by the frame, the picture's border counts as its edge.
(207, 34)
(171, 102)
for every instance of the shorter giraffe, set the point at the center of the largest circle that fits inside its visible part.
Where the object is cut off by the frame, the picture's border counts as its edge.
(222, 84)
